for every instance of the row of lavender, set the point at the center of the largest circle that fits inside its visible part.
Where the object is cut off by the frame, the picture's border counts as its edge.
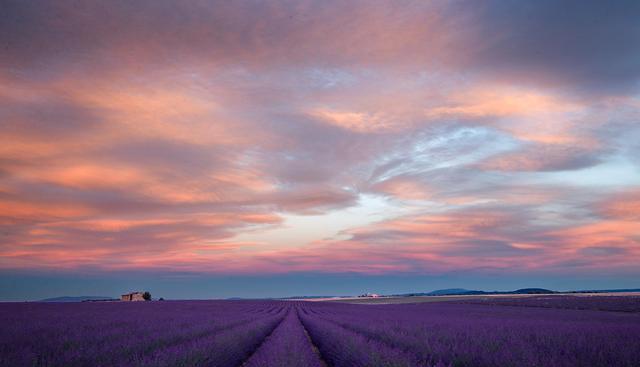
(288, 334)
(452, 334)
(575, 302)
(142, 334)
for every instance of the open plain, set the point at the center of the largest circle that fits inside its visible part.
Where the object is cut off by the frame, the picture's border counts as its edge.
(562, 331)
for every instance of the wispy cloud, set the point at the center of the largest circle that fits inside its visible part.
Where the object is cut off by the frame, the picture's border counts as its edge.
(156, 135)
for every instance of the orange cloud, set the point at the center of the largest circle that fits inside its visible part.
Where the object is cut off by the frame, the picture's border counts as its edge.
(152, 138)
(623, 206)
(20, 209)
(406, 189)
(499, 101)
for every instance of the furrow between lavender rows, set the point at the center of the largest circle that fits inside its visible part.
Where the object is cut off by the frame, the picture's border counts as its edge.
(288, 346)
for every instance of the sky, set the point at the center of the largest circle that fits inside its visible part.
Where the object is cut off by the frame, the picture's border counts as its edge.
(209, 149)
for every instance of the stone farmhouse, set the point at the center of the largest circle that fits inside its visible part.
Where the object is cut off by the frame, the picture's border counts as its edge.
(133, 296)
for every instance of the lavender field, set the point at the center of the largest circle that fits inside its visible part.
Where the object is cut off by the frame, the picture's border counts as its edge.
(601, 303)
(286, 333)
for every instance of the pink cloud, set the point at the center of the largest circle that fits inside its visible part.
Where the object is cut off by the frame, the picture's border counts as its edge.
(153, 135)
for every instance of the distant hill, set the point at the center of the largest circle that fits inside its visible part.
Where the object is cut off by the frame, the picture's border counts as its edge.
(469, 292)
(532, 291)
(449, 292)
(443, 292)
(77, 299)
(466, 292)
(606, 291)
(306, 297)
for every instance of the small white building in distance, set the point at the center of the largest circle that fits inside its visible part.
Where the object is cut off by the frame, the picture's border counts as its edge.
(372, 295)
(133, 296)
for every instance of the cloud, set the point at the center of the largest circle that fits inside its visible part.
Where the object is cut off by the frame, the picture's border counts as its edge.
(623, 205)
(155, 134)
(544, 157)
(474, 240)
(603, 251)
(407, 188)
(572, 44)
(566, 45)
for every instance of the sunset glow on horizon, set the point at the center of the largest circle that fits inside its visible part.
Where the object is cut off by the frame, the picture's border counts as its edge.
(283, 138)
